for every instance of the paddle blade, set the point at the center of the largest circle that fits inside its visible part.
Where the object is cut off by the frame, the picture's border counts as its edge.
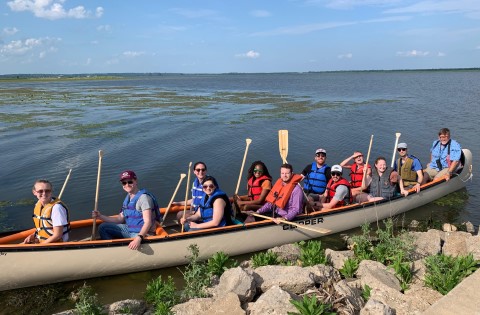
(283, 144)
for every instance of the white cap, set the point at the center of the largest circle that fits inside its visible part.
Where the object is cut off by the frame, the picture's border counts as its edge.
(402, 145)
(336, 168)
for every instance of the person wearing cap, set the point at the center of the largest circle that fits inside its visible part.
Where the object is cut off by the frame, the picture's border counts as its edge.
(445, 155)
(356, 171)
(409, 169)
(138, 216)
(316, 176)
(200, 171)
(338, 192)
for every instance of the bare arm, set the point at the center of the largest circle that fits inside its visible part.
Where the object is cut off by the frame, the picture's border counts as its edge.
(218, 210)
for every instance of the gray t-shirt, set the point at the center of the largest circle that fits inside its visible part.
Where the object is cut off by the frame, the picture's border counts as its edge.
(145, 202)
(340, 192)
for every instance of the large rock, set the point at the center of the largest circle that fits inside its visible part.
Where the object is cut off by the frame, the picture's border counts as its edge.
(337, 258)
(374, 307)
(228, 304)
(294, 279)
(473, 246)
(275, 301)
(423, 297)
(323, 273)
(377, 276)
(238, 281)
(456, 243)
(287, 252)
(134, 307)
(419, 270)
(426, 243)
(351, 295)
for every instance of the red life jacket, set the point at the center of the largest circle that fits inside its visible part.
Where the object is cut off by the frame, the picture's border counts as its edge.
(280, 193)
(331, 189)
(356, 175)
(255, 186)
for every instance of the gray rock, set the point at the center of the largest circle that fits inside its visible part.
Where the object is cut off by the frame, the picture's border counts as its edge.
(374, 307)
(323, 273)
(287, 252)
(337, 258)
(455, 243)
(419, 270)
(275, 301)
(226, 304)
(294, 279)
(469, 227)
(447, 227)
(473, 246)
(132, 307)
(352, 295)
(377, 276)
(238, 281)
(426, 243)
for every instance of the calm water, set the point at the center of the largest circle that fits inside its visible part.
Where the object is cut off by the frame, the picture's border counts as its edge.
(156, 125)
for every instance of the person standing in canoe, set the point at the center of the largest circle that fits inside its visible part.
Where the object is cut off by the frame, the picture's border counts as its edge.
(138, 216)
(50, 216)
(356, 171)
(200, 170)
(215, 209)
(316, 176)
(259, 184)
(285, 200)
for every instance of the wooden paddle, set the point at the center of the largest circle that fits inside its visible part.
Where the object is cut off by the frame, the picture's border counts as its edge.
(319, 230)
(365, 168)
(94, 226)
(283, 144)
(186, 192)
(248, 141)
(182, 176)
(64, 184)
(397, 136)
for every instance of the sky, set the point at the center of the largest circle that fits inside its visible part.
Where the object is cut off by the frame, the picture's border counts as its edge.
(215, 36)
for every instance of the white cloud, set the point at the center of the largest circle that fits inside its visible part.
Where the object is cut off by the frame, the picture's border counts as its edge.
(350, 4)
(52, 9)
(441, 54)
(104, 28)
(345, 56)
(30, 45)
(260, 13)
(88, 61)
(194, 14)
(9, 31)
(251, 54)
(133, 54)
(413, 53)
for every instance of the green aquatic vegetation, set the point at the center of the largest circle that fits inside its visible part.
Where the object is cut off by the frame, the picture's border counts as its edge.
(265, 259)
(310, 305)
(88, 303)
(96, 130)
(220, 262)
(454, 199)
(5, 203)
(311, 253)
(162, 294)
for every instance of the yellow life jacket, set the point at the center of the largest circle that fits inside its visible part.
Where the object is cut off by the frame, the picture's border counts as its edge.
(405, 171)
(42, 218)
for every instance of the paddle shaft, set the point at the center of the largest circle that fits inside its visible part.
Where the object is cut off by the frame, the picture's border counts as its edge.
(320, 230)
(182, 176)
(365, 168)
(186, 193)
(64, 184)
(397, 136)
(94, 226)
(248, 141)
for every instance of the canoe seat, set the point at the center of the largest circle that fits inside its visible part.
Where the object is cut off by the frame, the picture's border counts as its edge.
(159, 231)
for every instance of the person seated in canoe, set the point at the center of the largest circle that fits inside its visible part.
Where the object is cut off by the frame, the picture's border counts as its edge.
(50, 216)
(285, 200)
(382, 183)
(316, 176)
(138, 217)
(259, 184)
(215, 209)
(356, 171)
(338, 192)
(409, 169)
(445, 155)
(200, 171)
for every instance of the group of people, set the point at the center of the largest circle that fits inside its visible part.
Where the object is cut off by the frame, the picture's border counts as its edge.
(324, 187)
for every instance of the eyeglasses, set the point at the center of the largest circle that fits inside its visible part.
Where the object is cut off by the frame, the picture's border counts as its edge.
(211, 186)
(257, 171)
(401, 149)
(321, 154)
(336, 174)
(127, 182)
(41, 191)
(200, 170)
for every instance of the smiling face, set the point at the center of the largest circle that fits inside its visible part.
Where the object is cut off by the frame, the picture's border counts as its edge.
(208, 187)
(130, 185)
(381, 165)
(285, 174)
(43, 191)
(358, 158)
(444, 138)
(258, 170)
(320, 158)
(200, 171)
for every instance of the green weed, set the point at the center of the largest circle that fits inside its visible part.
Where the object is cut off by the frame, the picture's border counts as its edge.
(87, 303)
(311, 253)
(366, 292)
(265, 259)
(403, 271)
(220, 262)
(196, 276)
(311, 306)
(162, 294)
(349, 268)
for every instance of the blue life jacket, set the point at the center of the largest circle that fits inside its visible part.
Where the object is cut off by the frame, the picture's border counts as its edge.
(197, 194)
(206, 207)
(133, 217)
(316, 180)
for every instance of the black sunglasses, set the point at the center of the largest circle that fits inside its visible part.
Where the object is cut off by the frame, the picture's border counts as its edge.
(336, 174)
(127, 182)
(401, 149)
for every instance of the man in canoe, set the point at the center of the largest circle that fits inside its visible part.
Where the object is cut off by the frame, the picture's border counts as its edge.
(285, 200)
(356, 171)
(200, 171)
(338, 192)
(138, 216)
(445, 155)
(50, 216)
(409, 168)
(316, 176)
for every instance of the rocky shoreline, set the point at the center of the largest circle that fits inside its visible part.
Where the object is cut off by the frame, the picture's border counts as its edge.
(269, 289)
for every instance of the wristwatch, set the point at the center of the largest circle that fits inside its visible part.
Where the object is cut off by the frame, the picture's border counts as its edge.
(141, 237)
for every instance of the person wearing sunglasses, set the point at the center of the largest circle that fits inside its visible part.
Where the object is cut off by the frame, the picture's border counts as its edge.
(259, 184)
(50, 216)
(316, 176)
(200, 171)
(215, 209)
(409, 169)
(356, 171)
(338, 192)
(138, 217)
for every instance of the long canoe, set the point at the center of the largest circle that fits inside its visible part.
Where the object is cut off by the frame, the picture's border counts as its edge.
(23, 265)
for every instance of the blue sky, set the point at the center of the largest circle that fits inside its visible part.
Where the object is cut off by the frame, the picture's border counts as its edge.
(214, 36)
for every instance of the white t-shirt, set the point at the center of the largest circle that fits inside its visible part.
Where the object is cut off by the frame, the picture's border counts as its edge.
(59, 218)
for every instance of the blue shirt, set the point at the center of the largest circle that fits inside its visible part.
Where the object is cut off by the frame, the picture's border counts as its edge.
(416, 165)
(440, 151)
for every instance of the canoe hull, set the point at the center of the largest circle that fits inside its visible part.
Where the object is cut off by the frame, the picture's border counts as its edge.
(29, 265)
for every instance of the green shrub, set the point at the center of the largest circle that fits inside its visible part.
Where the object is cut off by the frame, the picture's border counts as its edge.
(196, 276)
(362, 244)
(403, 271)
(349, 268)
(445, 272)
(220, 262)
(311, 253)
(265, 259)
(87, 303)
(389, 246)
(162, 294)
(366, 292)
(311, 306)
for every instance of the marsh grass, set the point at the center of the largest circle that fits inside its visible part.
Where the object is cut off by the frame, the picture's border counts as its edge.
(33, 300)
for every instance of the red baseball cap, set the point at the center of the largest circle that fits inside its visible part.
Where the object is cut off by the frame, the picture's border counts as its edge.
(128, 175)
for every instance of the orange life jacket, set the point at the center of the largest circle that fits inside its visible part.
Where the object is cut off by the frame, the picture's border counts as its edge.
(42, 217)
(281, 191)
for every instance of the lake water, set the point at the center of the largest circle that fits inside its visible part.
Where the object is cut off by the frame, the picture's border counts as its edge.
(157, 124)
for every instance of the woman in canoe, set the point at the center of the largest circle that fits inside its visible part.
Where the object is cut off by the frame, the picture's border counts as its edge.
(259, 184)
(215, 209)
